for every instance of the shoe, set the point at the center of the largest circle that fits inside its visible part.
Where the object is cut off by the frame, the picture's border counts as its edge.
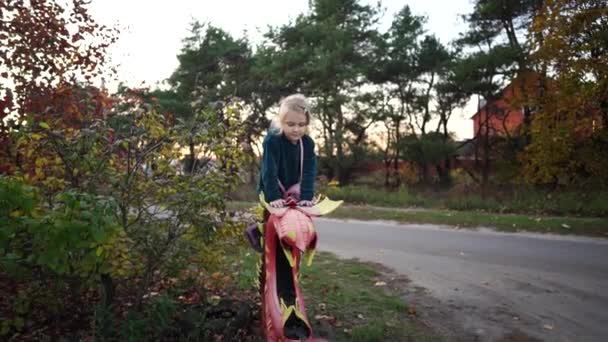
(253, 236)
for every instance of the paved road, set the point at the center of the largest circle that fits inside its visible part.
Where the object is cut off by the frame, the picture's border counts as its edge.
(493, 285)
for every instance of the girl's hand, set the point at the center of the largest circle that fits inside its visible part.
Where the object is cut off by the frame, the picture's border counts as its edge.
(277, 203)
(306, 203)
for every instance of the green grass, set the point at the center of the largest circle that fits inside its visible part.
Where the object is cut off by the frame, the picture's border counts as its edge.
(592, 226)
(520, 201)
(372, 196)
(471, 219)
(349, 307)
(516, 200)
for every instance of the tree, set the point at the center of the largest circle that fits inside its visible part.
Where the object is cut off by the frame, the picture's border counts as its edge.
(213, 71)
(477, 75)
(212, 66)
(500, 25)
(82, 220)
(44, 46)
(412, 65)
(495, 28)
(135, 225)
(449, 96)
(428, 149)
(397, 57)
(570, 126)
(324, 54)
(432, 61)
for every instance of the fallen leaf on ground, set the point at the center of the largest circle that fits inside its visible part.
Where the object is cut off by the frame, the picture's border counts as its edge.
(548, 327)
(151, 294)
(215, 300)
(380, 283)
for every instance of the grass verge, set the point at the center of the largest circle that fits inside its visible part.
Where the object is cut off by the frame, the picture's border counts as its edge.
(519, 201)
(591, 226)
(347, 300)
(470, 219)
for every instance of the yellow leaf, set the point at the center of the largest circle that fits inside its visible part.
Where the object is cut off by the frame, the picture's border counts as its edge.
(39, 173)
(44, 125)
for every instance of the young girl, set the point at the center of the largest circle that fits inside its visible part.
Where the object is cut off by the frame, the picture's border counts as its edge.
(288, 160)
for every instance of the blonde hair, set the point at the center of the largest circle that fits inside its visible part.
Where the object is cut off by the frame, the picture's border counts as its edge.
(293, 103)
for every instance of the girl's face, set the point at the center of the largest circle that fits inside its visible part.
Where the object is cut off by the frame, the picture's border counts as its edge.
(294, 126)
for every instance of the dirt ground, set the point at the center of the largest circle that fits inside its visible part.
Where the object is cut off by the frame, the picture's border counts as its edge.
(447, 321)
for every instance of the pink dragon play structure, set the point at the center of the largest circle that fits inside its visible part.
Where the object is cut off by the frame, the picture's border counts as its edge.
(288, 236)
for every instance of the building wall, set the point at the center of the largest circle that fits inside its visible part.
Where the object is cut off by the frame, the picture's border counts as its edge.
(499, 124)
(499, 110)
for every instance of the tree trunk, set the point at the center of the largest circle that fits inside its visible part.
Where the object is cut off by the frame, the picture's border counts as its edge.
(427, 112)
(387, 159)
(108, 290)
(397, 152)
(527, 124)
(338, 166)
(486, 155)
(192, 158)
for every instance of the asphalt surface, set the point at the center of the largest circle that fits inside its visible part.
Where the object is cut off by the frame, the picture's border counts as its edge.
(491, 286)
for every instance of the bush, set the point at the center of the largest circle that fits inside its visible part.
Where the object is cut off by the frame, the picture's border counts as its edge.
(54, 253)
(84, 224)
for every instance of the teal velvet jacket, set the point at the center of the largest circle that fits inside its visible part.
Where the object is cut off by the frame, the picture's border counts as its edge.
(281, 161)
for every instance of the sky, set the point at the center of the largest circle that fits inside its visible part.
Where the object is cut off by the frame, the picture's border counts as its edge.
(152, 31)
